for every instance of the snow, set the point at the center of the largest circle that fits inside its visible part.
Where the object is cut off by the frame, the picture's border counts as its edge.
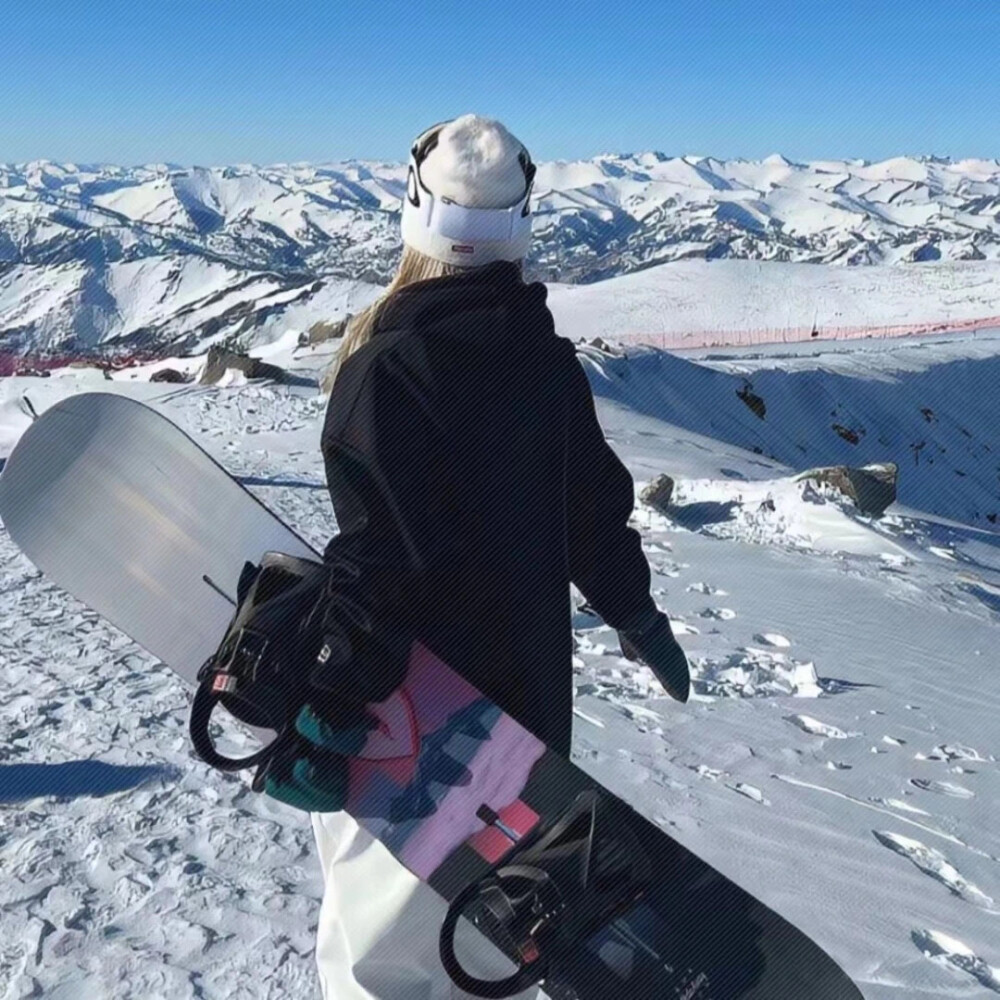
(838, 756)
(244, 229)
(163, 301)
(926, 404)
(725, 303)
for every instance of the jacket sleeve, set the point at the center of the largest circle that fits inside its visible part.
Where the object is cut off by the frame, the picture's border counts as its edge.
(380, 446)
(605, 554)
(381, 449)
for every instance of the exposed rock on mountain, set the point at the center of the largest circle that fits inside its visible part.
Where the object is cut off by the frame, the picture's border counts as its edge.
(659, 492)
(169, 375)
(220, 360)
(143, 257)
(871, 487)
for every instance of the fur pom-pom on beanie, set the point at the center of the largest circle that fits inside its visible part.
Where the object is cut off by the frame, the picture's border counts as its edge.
(468, 194)
(475, 164)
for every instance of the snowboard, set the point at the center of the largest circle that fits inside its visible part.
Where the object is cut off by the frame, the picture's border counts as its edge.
(127, 513)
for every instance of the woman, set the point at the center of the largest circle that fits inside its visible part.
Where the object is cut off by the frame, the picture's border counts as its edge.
(471, 482)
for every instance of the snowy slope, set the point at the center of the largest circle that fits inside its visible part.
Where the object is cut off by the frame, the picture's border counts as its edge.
(839, 757)
(160, 304)
(928, 405)
(699, 303)
(68, 230)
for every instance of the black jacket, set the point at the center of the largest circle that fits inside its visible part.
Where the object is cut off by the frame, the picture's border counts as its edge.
(471, 481)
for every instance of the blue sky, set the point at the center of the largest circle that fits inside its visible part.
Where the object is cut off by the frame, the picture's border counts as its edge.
(223, 81)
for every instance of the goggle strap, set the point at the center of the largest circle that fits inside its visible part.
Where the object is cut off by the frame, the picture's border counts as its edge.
(427, 143)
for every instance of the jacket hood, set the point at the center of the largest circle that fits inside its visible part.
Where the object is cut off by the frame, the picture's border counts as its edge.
(493, 288)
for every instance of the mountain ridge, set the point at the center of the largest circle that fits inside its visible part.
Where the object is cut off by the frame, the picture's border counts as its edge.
(71, 235)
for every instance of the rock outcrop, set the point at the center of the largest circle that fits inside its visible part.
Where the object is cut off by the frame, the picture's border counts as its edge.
(220, 360)
(754, 402)
(659, 492)
(170, 375)
(871, 487)
(323, 331)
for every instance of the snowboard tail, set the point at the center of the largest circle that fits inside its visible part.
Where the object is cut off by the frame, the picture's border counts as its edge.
(126, 512)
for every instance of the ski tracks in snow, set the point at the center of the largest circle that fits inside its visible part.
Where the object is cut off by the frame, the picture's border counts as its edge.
(951, 953)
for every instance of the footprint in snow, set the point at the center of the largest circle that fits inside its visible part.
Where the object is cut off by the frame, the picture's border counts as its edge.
(719, 614)
(952, 953)
(772, 639)
(951, 752)
(943, 788)
(704, 771)
(816, 728)
(933, 863)
(750, 791)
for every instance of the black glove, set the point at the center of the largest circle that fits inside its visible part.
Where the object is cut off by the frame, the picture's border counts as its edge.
(653, 642)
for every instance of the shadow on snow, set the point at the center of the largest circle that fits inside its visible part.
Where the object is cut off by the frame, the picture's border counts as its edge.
(300, 484)
(73, 779)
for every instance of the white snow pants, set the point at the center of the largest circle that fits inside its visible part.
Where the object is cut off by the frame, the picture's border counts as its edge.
(378, 924)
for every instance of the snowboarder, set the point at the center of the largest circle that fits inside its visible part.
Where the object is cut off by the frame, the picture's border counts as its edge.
(471, 483)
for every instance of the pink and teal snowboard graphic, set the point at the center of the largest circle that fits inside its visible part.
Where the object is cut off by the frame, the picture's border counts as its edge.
(442, 751)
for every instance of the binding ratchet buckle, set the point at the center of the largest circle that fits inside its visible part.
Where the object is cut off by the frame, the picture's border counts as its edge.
(550, 893)
(237, 662)
(232, 676)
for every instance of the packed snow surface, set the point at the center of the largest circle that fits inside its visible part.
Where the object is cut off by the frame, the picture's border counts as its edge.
(723, 303)
(838, 757)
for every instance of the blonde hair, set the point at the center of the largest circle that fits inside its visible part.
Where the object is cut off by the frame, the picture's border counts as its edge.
(414, 266)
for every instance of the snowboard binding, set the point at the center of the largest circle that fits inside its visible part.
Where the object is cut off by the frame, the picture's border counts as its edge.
(294, 639)
(551, 894)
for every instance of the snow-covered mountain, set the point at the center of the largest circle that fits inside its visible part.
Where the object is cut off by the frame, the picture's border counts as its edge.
(154, 255)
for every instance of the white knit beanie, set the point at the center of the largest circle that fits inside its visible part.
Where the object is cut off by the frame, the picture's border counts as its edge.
(468, 197)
